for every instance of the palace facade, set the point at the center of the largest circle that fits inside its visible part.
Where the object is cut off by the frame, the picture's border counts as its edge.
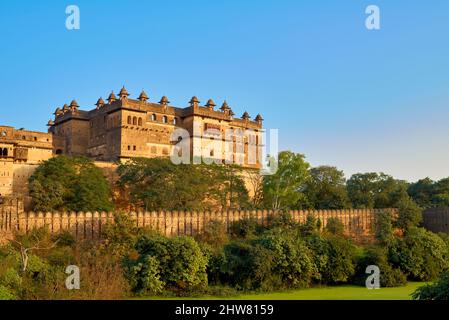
(122, 128)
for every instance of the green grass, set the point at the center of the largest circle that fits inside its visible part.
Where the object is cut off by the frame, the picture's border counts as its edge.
(328, 293)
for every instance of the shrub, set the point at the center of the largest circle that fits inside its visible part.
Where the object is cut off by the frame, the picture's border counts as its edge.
(384, 228)
(333, 257)
(292, 261)
(421, 254)
(6, 294)
(247, 266)
(182, 263)
(214, 234)
(437, 291)
(144, 276)
(282, 219)
(378, 256)
(311, 226)
(335, 226)
(246, 228)
(409, 214)
(120, 237)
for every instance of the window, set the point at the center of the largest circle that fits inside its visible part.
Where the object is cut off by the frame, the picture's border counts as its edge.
(164, 119)
(129, 148)
(140, 121)
(5, 152)
(165, 151)
(134, 148)
(135, 121)
(35, 139)
(153, 150)
(129, 120)
(153, 117)
(175, 121)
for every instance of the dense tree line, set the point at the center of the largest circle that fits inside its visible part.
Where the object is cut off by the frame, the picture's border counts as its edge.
(75, 184)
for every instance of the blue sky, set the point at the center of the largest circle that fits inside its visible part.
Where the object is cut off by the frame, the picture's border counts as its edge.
(342, 95)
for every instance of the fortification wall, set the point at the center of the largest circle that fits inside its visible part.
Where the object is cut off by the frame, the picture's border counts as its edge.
(436, 219)
(89, 225)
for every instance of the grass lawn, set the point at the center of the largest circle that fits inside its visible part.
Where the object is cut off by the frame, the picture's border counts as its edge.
(329, 293)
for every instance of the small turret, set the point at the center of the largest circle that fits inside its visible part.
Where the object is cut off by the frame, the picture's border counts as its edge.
(123, 94)
(100, 103)
(73, 105)
(225, 107)
(65, 108)
(259, 119)
(194, 102)
(58, 112)
(245, 116)
(143, 96)
(50, 123)
(164, 101)
(210, 104)
(112, 98)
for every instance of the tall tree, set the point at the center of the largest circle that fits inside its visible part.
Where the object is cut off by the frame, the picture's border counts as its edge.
(74, 184)
(373, 190)
(326, 189)
(284, 188)
(158, 184)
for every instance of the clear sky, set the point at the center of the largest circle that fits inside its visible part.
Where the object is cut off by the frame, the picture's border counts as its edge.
(341, 94)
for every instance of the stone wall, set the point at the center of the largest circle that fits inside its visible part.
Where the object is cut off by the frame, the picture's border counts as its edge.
(436, 219)
(88, 225)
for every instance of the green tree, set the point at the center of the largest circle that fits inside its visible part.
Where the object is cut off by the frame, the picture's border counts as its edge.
(284, 189)
(157, 183)
(422, 192)
(373, 190)
(74, 184)
(326, 189)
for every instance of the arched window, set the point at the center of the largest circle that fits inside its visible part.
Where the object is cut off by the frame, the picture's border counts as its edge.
(5, 152)
(153, 117)
(165, 151)
(140, 121)
(153, 150)
(135, 121)
(175, 121)
(129, 120)
(164, 119)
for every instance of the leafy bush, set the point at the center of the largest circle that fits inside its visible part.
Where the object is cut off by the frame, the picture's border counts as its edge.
(72, 184)
(335, 226)
(409, 214)
(333, 257)
(144, 276)
(378, 256)
(311, 226)
(383, 225)
(214, 234)
(247, 266)
(421, 254)
(182, 263)
(292, 260)
(437, 291)
(119, 237)
(6, 294)
(246, 228)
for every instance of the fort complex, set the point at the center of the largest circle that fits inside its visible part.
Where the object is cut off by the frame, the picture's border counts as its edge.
(123, 128)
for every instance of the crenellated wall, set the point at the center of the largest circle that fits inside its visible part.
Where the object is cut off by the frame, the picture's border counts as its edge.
(88, 225)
